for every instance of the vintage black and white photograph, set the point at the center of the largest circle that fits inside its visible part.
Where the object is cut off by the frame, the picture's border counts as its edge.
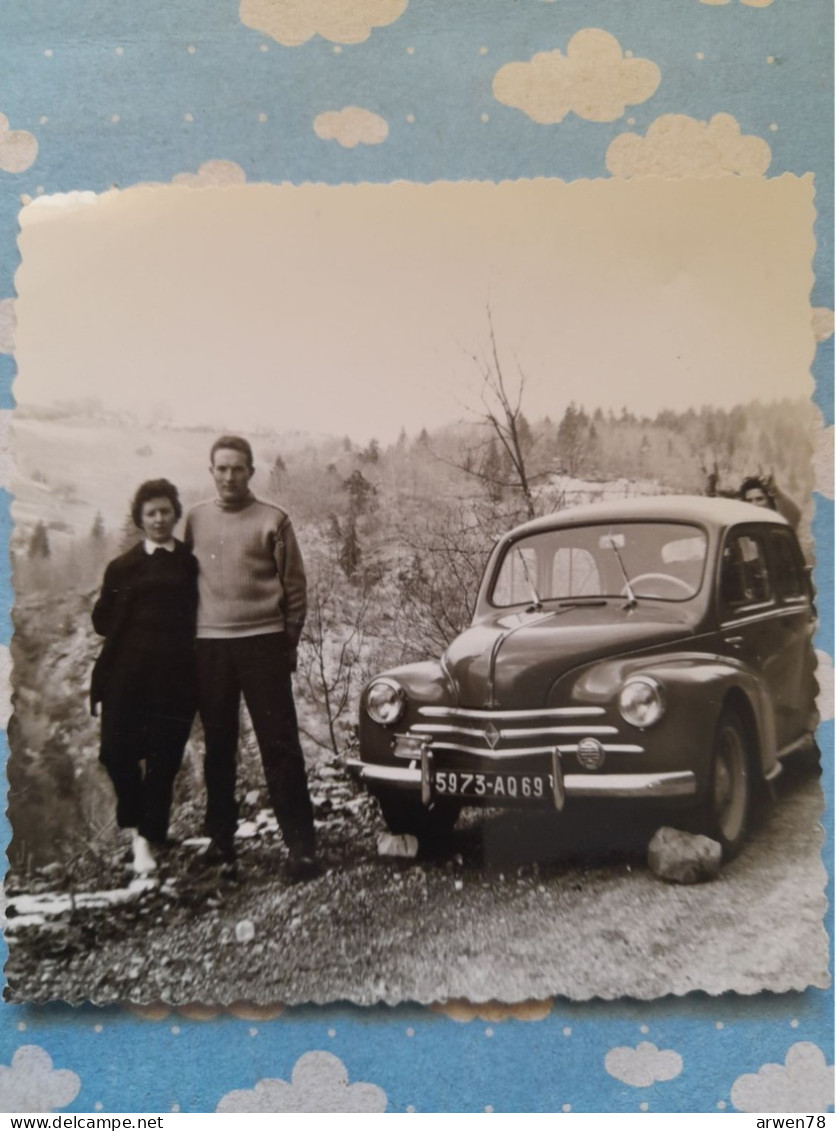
(413, 594)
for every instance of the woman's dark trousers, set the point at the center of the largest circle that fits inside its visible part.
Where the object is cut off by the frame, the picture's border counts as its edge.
(142, 757)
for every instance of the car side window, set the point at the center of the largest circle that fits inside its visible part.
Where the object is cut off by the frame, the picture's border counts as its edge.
(744, 575)
(790, 581)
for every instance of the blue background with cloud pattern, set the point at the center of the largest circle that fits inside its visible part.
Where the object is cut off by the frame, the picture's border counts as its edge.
(98, 93)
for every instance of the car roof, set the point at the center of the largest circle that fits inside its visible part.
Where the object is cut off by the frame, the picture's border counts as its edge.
(708, 511)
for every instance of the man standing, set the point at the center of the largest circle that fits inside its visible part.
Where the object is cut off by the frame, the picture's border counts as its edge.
(251, 609)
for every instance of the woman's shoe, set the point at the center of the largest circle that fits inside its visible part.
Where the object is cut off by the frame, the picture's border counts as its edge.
(143, 862)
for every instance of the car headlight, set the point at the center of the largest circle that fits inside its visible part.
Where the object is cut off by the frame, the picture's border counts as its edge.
(385, 701)
(641, 701)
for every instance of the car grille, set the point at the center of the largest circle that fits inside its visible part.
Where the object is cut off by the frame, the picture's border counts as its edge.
(504, 734)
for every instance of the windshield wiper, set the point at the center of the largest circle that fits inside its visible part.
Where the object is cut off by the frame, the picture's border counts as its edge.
(536, 603)
(628, 589)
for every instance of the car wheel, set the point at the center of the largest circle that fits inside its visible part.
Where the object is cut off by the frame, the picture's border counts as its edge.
(727, 807)
(408, 815)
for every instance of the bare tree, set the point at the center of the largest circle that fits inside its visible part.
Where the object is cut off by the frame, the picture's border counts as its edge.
(437, 577)
(332, 649)
(502, 414)
(503, 461)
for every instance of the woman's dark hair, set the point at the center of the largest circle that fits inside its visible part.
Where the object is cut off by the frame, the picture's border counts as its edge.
(154, 489)
(753, 483)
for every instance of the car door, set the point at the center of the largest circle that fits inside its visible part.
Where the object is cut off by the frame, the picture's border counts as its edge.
(795, 661)
(750, 616)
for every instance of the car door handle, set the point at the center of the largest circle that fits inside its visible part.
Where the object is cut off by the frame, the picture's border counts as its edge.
(734, 641)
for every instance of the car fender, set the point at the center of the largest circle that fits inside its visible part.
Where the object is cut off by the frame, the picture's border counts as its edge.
(697, 686)
(425, 684)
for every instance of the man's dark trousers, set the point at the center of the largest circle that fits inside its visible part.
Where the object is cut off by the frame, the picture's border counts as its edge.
(259, 668)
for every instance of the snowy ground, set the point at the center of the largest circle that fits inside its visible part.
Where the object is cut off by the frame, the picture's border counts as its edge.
(511, 909)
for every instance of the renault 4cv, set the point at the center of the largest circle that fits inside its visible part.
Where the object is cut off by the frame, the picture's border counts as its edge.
(655, 648)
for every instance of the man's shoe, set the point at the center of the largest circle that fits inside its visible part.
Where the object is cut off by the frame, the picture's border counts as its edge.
(301, 868)
(228, 871)
(220, 850)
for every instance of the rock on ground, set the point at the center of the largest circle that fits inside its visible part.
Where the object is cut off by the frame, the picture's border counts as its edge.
(683, 858)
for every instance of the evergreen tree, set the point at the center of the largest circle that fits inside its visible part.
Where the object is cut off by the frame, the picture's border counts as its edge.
(277, 472)
(128, 534)
(350, 549)
(524, 434)
(359, 490)
(571, 436)
(39, 542)
(97, 531)
(371, 454)
(491, 471)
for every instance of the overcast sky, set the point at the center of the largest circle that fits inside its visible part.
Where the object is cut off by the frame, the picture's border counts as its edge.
(358, 309)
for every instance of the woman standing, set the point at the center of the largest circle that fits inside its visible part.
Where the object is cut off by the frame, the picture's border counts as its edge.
(145, 675)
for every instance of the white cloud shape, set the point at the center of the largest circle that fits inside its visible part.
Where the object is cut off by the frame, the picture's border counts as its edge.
(18, 148)
(293, 22)
(216, 172)
(351, 126)
(644, 1065)
(8, 324)
(319, 1083)
(822, 323)
(803, 1083)
(32, 1084)
(495, 1011)
(824, 678)
(594, 80)
(676, 145)
(748, 3)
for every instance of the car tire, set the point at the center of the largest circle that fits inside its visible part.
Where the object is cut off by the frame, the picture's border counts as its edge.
(727, 808)
(408, 815)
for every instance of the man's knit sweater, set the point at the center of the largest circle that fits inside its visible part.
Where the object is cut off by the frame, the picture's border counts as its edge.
(251, 579)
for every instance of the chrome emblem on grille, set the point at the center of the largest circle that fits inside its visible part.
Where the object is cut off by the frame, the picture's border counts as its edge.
(591, 753)
(492, 736)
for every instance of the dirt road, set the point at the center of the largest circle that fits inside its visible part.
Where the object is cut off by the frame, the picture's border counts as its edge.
(516, 907)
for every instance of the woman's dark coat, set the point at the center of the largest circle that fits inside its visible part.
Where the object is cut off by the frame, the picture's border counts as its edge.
(146, 612)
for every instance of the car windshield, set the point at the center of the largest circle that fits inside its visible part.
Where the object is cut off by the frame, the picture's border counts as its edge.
(662, 561)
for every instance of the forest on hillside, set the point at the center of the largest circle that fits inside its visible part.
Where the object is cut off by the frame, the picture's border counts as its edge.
(395, 538)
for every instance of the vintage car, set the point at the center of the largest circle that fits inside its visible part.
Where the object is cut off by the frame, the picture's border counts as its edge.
(654, 648)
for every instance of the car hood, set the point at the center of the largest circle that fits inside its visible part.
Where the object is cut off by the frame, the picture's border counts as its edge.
(513, 661)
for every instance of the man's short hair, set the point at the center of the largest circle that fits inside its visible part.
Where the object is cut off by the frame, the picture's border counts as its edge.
(235, 444)
(154, 489)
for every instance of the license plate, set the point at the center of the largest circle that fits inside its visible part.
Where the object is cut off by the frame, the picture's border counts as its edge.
(499, 787)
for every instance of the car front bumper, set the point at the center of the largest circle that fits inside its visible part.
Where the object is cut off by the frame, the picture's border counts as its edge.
(626, 785)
